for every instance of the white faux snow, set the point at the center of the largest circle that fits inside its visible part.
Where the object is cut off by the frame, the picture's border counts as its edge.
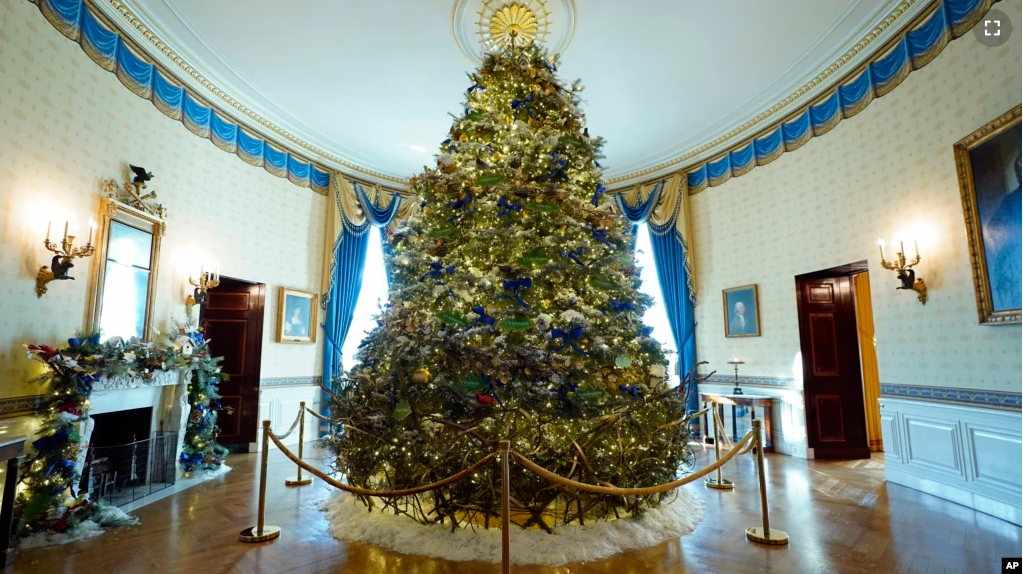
(596, 540)
(86, 529)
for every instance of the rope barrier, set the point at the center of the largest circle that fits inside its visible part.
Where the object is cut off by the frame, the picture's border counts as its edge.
(381, 493)
(615, 491)
(321, 417)
(294, 425)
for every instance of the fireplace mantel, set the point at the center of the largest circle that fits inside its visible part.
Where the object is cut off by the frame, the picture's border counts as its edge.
(127, 381)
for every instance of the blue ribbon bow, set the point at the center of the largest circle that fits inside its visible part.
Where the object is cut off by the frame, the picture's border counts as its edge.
(514, 286)
(88, 380)
(435, 271)
(566, 388)
(474, 88)
(601, 236)
(197, 457)
(558, 163)
(508, 207)
(462, 205)
(551, 66)
(518, 105)
(601, 190)
(633, 390)
(573, 255)
(568, 338)
(483, 317)
(646, 331)
(626, 306)
(492, 390)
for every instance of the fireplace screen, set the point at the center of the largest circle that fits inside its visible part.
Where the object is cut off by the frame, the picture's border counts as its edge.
(121, 474)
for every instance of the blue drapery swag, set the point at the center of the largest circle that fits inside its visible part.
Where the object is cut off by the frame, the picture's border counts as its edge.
(355, 208)
(909, 51)
(663, 206)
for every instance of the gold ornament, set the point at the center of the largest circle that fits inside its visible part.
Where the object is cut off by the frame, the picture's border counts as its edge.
(493, 309)
(421, 376)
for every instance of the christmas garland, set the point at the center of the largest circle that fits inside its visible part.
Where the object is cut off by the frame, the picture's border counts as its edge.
(48, 500)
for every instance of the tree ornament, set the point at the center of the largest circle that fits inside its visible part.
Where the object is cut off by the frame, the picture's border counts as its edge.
(421, 376)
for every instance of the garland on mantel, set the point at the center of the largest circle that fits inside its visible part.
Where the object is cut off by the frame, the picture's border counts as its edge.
(48, 500)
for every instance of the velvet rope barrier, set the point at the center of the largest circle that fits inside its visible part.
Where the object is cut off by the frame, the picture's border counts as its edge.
(381, 493)
(294, 425)
(615, 491)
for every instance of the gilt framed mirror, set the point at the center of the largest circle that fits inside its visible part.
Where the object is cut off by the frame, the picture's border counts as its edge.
(126, 262)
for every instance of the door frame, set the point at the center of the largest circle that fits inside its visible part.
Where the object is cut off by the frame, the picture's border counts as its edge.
(848, 270)
(258, 353)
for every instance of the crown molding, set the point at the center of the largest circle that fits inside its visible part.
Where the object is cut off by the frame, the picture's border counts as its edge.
(141, 25)
(859, 46)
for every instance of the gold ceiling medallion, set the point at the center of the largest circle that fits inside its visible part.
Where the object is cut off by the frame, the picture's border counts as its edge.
(513, 25)
(482, 26)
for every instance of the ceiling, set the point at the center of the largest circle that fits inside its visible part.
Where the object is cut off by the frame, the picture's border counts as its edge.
(373, 81)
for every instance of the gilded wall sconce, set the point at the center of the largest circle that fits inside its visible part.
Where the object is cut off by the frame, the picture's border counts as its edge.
(65, 253)
(903, 269)
(206, 281)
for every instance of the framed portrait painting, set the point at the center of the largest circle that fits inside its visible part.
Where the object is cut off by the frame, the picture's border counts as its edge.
(296, 316)
(742, 311)
(988, 164)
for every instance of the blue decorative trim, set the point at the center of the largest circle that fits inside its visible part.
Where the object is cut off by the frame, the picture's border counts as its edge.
(970, 397)
(106, 45)
(909, 51)
(20, 406)
(754, 381)
(290, 381)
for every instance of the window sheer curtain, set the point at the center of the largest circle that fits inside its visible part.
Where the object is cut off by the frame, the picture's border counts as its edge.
(663, 206)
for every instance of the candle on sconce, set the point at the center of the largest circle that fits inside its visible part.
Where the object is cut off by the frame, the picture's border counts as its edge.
(65, 229)
(48, 224)
(92, 227)
(880, 247)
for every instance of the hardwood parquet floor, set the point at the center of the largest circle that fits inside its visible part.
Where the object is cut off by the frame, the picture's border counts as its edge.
(841, 517)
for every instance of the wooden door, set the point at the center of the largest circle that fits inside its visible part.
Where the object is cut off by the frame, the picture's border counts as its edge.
(833, 388)
(233, 318)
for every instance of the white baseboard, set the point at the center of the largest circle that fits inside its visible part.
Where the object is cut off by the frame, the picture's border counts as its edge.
(969, 455)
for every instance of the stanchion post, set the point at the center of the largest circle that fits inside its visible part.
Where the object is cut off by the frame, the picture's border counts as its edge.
(298, 480)
(505, 508)
(764, 534)
(717, 481)
(262, 532)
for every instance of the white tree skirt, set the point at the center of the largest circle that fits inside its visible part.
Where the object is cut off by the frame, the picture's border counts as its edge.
(349, 520)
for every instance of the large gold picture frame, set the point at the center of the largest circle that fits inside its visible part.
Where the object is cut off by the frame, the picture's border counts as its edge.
(964, 151)
(296, 316)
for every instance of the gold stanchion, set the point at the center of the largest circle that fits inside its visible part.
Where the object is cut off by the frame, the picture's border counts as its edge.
(505, 508)
(298, 480)
(716, 481)
(764, 534)
(261, 532)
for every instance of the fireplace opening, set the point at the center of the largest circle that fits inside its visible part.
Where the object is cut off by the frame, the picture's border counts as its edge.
(126, 461)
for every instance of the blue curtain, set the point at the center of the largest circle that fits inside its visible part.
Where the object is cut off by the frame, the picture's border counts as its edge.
(346, 273)
(670, 257)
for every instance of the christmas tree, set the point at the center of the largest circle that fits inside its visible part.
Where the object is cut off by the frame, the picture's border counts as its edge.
(514, 314)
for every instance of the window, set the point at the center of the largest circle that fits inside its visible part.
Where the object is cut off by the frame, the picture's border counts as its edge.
(656, 316)
(371, 296)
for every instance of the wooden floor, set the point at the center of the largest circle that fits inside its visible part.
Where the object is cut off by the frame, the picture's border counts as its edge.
(841, 517)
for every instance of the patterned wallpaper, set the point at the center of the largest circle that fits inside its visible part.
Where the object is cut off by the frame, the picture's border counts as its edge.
(66, 125)
(885, 172)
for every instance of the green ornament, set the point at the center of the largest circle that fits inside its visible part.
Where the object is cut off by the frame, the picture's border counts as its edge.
(534, 257)
(605, 283)
(471, 383)
(574, 141)
(624, 361)
(402, 410)
(589, 393)
(516, 324)
(542, 207)
(489, 179)
(452, 318)
(442, 231)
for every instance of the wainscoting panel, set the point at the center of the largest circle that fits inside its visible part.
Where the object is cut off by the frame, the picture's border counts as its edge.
(280, 404)
(969, 455)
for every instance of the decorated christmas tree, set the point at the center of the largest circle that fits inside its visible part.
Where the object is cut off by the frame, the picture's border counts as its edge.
(514, 314)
